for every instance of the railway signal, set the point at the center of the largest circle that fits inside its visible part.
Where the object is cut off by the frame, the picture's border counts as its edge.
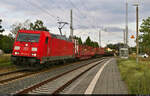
(132, 37)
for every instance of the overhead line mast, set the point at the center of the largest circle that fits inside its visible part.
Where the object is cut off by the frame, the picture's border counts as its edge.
(100, 38)
(71, 24)
(82, 14)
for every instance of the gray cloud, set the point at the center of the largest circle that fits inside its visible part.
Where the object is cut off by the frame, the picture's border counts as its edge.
(114, 29)
(87, 14)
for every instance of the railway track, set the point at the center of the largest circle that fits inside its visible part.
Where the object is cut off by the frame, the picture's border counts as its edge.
(13, 75)
(7, 77)
(56, 84)
(7, 73)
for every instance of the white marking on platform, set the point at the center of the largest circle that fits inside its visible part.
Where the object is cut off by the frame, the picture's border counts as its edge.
(91, 86)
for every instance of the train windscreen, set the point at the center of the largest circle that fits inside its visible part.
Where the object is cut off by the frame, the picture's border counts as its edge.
(28, 37)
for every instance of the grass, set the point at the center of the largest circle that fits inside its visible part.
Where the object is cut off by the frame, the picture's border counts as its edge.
(5, 60)
(136, 76)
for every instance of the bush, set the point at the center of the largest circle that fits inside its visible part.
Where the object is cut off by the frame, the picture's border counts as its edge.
(4, 59)
(6, 43)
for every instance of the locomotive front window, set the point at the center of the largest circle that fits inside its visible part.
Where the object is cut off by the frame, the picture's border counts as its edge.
(28, 37)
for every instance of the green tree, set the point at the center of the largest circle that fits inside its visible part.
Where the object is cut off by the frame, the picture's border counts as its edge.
(144, 39)
(28, 25)
(88, 41)
(112, 46)
(18, 26)
(132, 50)
(115, 46)
(79, 39)
(1, 29)
(38, 25)
(6, 43)
(95, 44)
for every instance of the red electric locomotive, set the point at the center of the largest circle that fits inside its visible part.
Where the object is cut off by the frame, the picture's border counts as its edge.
(37, 47)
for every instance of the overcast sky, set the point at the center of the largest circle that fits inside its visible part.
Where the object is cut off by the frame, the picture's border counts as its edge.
(89, 16)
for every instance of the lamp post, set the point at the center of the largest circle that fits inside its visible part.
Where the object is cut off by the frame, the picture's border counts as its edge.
(137, 31)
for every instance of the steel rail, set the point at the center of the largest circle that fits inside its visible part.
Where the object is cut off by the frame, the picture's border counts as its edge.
(11, 72)
(14, 78)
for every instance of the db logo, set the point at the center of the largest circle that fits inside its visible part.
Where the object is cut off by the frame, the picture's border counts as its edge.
(25, 48)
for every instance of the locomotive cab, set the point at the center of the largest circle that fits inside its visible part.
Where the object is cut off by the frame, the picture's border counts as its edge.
(25, 49)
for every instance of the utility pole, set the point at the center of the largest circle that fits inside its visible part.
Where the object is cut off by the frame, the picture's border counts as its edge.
(61, 25)
(99, 38)
(124, 36)
(71, 24)
(137, 32)
(127, 23)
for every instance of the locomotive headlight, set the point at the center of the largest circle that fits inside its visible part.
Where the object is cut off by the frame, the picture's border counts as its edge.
(33, 54)
(17, 48)
(16, 53)
(34, 49)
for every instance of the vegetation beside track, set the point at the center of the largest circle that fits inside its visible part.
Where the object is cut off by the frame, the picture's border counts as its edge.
(136, 76)
(5, 60)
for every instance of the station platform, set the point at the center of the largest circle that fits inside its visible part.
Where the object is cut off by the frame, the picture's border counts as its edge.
(102, 79)
(110, 81)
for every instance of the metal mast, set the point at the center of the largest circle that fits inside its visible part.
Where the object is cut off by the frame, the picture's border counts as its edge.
(127, 23)
(99, 38)
(71, 24)
(124, 36)
(137, 32)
